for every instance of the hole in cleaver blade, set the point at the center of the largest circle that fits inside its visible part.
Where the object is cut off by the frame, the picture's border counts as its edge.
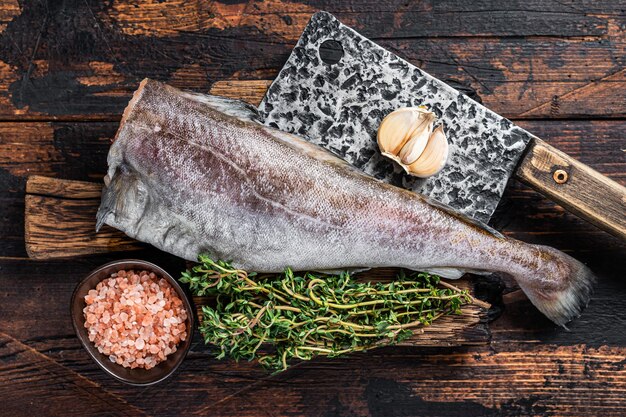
(330, 52)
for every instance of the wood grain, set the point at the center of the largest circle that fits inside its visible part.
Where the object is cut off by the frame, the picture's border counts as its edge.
(61, 228)
(517, 379)
(59, 220)
(523, 321)
(527, 379)
(543, 59)
(285, 19)
(251, 91)
(575, 186)
(33, 384)
(539, 381)
(55, 187)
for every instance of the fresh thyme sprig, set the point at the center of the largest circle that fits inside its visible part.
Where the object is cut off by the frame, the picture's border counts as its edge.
(306, 315)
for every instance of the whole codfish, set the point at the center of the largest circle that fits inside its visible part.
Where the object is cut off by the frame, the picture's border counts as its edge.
(194, 174)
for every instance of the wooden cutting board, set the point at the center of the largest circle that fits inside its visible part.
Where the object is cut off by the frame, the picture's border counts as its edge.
(60, 223)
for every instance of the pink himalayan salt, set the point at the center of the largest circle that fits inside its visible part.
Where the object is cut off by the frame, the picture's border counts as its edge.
(136, 319)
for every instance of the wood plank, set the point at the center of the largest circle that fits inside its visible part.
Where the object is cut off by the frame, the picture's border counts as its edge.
(606, 91)
(522, 379)
(554, 59)
(36, 294)
(59, 220)
(542, 381)
(524, 214)
(35, 298)
(499, 377)
(8, 10)
(596, 248)
(535, 59)
(526, 380)
(12, 219)
(33, 384)
(65, 227)
(251, 91)
(391, 18)
(46, 186)
(186, 390)
(544, 78)
(74, 151)
(35, 305)
(508, 89)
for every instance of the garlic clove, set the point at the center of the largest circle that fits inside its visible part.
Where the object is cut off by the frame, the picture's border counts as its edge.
(396, 129)
(406, 135)
(434, 157)
(416, 144)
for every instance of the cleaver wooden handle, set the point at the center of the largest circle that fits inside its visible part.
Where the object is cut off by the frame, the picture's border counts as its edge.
(575, 186)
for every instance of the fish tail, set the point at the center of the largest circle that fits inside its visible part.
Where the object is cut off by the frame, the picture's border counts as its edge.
(560, 288)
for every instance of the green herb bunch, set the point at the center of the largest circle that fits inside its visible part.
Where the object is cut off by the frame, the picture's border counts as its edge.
(305, 315)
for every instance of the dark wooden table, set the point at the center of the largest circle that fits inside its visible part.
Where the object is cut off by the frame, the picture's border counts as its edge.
(558, 68)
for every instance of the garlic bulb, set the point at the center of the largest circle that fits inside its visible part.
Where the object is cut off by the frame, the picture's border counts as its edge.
(406, 135)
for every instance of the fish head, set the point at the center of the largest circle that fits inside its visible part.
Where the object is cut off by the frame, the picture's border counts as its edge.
(125, 198)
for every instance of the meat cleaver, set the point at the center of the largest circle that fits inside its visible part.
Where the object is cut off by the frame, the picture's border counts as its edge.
(337, 86)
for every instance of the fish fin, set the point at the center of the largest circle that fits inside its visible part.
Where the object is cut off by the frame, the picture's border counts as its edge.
(477, 272)
(107, 204)
(449, 273)
(123, 197)
(354, 270)
(246, 112)
(101, 219)
(562, 295)
(236, 108)
(110, 199)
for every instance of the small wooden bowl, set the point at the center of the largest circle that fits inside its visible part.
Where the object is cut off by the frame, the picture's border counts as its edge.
(137, 376)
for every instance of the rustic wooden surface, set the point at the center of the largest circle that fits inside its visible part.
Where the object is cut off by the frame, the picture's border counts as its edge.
(67, 68)
(59, 220)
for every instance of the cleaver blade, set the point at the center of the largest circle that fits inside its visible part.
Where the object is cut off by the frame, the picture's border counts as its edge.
(339, 104)
(340, 107)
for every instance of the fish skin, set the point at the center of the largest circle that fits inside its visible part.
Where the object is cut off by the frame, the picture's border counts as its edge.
(195, 174)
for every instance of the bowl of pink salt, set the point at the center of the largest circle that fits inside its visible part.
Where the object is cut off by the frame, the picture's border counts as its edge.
(134, 320)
